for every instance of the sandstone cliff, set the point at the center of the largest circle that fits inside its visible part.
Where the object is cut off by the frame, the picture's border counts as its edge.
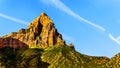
(41, 33)
(11, 42)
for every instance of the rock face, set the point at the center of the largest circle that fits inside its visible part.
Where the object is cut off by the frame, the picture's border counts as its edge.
(41, 33)
(71, 46)
(11, 42)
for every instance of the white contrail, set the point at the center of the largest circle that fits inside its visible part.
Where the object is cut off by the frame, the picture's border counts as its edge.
(13, 19)
(61, 6)
(117, 40)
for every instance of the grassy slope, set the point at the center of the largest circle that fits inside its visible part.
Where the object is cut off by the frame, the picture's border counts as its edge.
(21, 58)
(114, 62)
(53, 57)
(66, 57)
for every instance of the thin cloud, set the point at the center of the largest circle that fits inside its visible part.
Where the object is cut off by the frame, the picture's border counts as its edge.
(61, 6)
(117, 40)
(13, 19)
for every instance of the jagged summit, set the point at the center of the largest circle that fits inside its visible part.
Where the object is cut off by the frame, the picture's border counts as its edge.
(41, 32)
(42, 20)
(43, 13)
(39, 23)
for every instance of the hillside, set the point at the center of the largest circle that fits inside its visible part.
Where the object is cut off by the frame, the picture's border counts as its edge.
(66, 57)
(41, 46)
(51, 57)
(21, 58)
(114, 62)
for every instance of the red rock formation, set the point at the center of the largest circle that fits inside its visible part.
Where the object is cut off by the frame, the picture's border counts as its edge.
(11, 42)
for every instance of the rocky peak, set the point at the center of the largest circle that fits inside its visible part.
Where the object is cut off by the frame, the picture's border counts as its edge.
(45, 19)
(41, 22)
(41, 33)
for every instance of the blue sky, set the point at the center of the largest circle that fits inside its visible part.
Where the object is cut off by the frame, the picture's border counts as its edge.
(91, 25)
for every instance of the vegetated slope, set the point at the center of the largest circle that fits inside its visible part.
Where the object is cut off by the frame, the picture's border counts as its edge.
(51, 57)
(21, 58)
(114, 62)
(66, 57)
